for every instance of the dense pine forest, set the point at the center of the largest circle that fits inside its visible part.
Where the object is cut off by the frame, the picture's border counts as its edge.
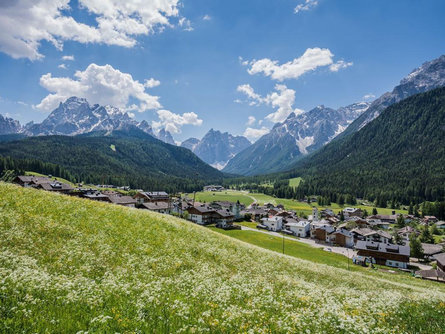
(122, 158)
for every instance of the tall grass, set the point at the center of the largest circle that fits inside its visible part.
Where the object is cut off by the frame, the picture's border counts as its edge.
(70, 265)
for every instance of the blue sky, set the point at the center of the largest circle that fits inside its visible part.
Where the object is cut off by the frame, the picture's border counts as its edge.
(204, 57)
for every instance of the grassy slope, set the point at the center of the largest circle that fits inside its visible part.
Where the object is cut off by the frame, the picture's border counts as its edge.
(69, 264)
(295, 182)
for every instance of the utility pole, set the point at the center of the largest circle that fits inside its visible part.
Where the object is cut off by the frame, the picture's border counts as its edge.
(348, 257)
(283, 243)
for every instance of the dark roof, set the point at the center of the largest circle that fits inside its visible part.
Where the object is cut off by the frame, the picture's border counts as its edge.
(440, 258)
(154, 206)
(122, 200)
(202, 208)
(55, 186)
(362, 231)
(224, 213)
(382, 247)
(430, 249)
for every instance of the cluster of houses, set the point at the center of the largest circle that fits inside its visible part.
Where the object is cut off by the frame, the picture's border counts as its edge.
(222, 213)
(367, 235)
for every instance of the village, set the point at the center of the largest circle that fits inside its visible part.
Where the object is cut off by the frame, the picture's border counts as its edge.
(368, 240)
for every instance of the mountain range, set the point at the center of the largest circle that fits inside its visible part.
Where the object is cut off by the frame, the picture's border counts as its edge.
(424, 78)
(301, 134)
(217, 148)
(297, 136)
(399, 155)
(76, 116)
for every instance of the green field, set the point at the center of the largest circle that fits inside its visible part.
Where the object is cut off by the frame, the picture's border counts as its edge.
(295, 182)
(289, 204)
(301, 250)
(70, 265)
(227, 195)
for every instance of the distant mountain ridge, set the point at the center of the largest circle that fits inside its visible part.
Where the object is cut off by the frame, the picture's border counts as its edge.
(216, 147)
(424, 78)
(297, 136)
(9, 126)
(76, 116)
(399, 156)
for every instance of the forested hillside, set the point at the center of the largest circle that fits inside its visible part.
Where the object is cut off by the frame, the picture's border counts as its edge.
(398, 156)
(122, 158)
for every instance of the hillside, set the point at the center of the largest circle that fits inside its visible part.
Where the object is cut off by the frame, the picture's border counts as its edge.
(129, 157)
(424, 78)
(400, 155)
(294, 138)
(73, 265)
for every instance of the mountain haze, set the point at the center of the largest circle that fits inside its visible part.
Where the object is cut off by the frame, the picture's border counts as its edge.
(217, 148)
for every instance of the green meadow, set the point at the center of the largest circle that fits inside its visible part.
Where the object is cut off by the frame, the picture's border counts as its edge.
(69, 265)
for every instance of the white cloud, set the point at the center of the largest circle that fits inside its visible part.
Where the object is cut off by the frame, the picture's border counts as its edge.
(305, 6)
(25, 23)
(66, 58)
(340, 65)
(98, 84)
(250, 93)
(206, 17)
(309, 61)
(185, 24)
(62, 66)
(173, 122)
(150, 83)
(369, 96)
(253, 134)
(251, 120)
(282, 99)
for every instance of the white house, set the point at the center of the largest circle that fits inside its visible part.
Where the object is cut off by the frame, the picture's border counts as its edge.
(300, 229)
(274, 223)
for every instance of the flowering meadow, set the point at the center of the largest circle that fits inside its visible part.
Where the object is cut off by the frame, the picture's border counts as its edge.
(70, 265)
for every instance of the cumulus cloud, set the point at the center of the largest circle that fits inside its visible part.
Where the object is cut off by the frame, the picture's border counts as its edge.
(206, 17)
(173, 122)
(251, 120)
(62, 66)
(150, 83)
(247, 90)
(282, 100)
(253, 134)
(24, 24)
(66, 58)
(305, 6)
(340, 65)
(309, 61)
(98, 84)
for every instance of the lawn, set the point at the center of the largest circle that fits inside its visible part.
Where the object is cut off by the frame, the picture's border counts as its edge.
(70, 265)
